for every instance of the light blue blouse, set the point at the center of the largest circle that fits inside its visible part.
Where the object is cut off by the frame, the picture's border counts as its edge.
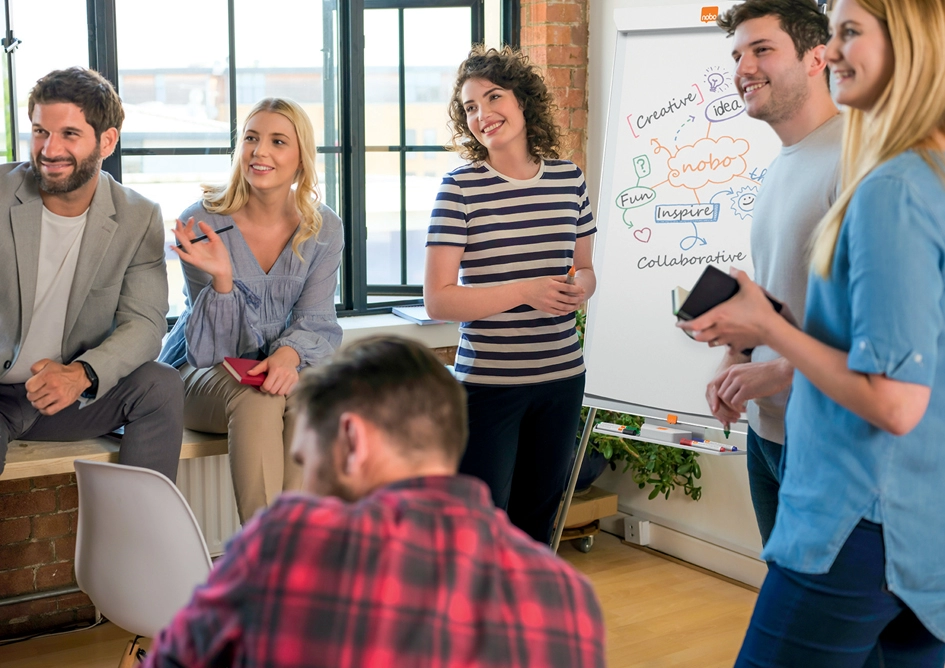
(885, 304)
(293, 305)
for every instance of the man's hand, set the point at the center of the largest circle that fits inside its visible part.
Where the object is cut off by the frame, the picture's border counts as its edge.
(55, 386)
(720, 409)
(743, 382)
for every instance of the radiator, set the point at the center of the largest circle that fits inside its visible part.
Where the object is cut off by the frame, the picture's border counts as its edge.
(206, 484)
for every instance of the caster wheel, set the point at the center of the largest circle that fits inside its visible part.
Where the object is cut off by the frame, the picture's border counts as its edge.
(583, 544)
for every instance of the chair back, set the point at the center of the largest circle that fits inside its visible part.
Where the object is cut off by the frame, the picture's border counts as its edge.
(139, 550)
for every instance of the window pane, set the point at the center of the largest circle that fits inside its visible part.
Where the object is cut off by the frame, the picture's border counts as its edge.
(54, 37)
(422, 186)
(381, 78)
(174, 183)
(436, 41)
(6, 154)
(280, 58)
(383, 217)
(175, 91)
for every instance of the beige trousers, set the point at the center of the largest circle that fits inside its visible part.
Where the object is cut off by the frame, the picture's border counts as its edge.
(259, 429)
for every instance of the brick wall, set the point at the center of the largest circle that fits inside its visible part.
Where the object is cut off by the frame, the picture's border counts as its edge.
(554, 36)
(37, 552)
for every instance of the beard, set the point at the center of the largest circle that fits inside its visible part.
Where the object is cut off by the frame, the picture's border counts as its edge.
(82, 172)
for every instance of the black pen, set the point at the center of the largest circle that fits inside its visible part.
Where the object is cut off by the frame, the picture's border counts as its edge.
(203, 237)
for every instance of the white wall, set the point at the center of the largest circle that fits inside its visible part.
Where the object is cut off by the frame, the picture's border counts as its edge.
(724, 516)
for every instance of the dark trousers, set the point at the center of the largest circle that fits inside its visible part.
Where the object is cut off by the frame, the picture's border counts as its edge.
(521, 440)
(764, 480)
(148, 403)
(846, 618)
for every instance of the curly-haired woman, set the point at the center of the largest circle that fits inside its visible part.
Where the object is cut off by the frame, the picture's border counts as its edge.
(505, 230)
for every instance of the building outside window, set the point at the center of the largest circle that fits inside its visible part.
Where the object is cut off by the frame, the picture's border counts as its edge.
(379, 112)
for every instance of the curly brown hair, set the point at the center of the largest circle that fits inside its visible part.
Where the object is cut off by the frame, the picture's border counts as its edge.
(509, 69)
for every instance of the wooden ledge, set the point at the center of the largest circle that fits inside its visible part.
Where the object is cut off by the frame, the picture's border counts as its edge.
(29, 459)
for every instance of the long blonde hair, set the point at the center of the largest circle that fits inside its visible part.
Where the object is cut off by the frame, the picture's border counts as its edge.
(908, 111)
(226, 199)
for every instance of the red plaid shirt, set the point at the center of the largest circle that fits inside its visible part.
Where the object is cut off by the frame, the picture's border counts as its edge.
(423, 572)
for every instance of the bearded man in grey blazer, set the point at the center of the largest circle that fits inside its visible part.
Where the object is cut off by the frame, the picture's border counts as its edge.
(84, 297)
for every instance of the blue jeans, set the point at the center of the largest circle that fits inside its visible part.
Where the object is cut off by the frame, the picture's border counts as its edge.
(846, 618)
(764, 480)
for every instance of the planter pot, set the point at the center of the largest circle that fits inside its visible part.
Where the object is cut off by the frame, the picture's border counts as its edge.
(592, 468)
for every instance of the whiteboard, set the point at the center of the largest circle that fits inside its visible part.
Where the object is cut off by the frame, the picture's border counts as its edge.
(682, 166)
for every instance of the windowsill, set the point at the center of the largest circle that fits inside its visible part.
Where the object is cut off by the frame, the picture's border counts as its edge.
(433, 336)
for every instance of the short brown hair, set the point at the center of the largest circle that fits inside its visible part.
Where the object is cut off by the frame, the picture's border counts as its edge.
(802, 20)
(85, 88)
(396, 384)
(510, 69)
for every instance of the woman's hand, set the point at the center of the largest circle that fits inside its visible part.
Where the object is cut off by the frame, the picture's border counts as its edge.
(553, 295)
(281, 368)
(210, 256)
(741, 322)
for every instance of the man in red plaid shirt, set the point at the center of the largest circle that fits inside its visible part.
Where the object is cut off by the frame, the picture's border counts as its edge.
(387, 558)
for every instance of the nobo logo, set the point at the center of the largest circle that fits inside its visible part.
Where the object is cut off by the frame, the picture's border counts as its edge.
(710, 14)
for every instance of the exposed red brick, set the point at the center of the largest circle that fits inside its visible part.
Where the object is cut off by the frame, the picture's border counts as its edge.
(19, 555)
(571, 98)
(70, 601)
(578, 119)
(85, 614)
(21, 611)
(12, 486)
(28, 503)
(14, 583)
(54, 575)
(557, 77)
(64, 548)
(47, 481)
(566, 55)
(565, 12)
(13, 531)
(68, 498)
(51, 526)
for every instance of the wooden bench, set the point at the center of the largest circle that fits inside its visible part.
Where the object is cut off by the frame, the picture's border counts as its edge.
(29, 459)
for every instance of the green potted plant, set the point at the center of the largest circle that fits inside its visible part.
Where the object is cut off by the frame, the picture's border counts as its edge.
(649, 463)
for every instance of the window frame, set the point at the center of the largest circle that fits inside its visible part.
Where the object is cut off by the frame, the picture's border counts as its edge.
(355, 291)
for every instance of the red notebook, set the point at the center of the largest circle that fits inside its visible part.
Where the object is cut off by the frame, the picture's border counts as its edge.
(239, 368)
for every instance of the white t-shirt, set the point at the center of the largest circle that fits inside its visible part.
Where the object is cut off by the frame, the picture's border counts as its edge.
(59, 242)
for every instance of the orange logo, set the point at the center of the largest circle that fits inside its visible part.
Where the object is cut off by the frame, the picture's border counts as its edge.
(710, 14)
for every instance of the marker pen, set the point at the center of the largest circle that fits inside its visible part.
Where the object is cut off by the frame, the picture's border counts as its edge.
(203, 237)
(570, 279)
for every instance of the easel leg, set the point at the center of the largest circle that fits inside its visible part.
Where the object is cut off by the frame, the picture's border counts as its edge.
(572, 483)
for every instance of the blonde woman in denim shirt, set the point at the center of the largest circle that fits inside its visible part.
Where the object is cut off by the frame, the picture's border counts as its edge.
(857, 555)
(264, 290)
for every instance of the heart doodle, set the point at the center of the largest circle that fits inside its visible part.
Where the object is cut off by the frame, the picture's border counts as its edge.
(643, 235)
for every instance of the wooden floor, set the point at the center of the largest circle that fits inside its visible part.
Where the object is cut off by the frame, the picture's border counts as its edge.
(658, 613)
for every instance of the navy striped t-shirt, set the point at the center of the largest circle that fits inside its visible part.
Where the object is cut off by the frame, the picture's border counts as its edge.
(512, 230)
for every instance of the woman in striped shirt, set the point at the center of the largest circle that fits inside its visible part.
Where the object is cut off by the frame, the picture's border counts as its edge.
(505, 230)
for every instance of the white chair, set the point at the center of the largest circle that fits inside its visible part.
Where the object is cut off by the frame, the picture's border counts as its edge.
(139, 549)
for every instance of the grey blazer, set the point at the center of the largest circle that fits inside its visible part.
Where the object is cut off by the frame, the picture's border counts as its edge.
(115, 318)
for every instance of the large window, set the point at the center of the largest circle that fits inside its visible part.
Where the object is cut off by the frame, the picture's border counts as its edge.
(378, 104)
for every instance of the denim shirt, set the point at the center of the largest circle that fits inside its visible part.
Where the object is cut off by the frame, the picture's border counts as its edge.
(884, 304)
(292, 305)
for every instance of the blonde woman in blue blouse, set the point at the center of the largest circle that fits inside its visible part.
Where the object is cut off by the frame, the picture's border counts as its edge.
(857, 574)
(263, 291)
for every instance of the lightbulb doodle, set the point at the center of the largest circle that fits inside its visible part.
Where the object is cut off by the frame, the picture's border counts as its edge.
(718, 79)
